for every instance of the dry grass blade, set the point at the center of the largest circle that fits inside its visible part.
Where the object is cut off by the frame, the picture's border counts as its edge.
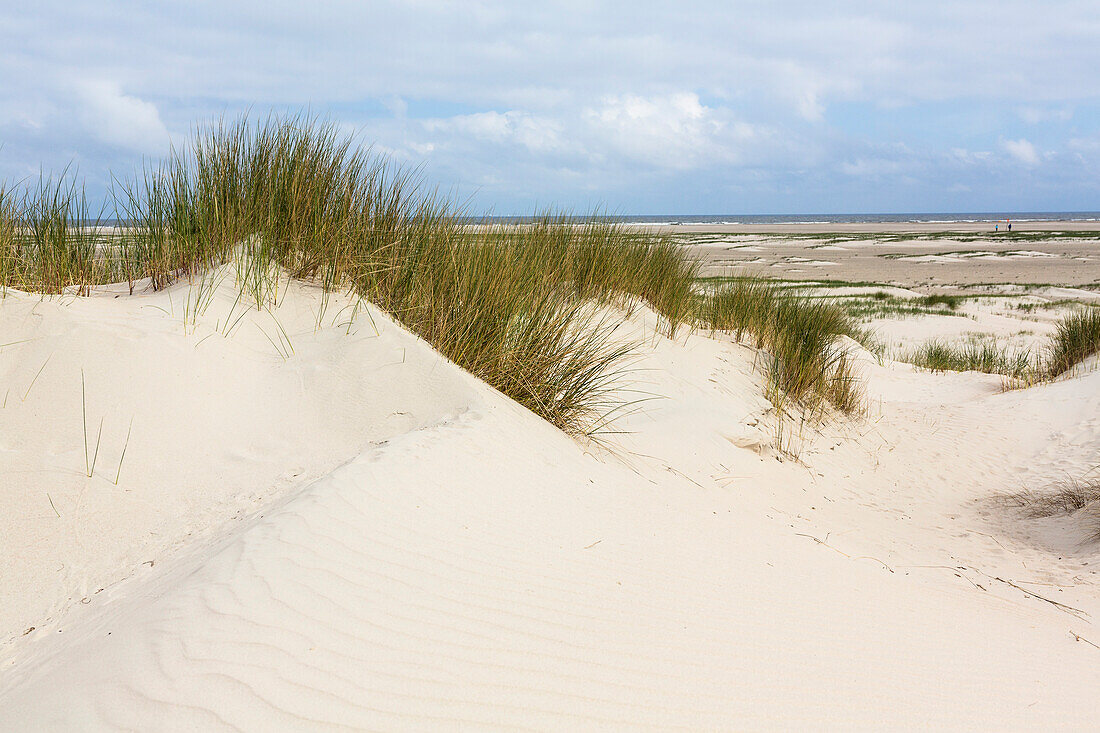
(1066, 498)
(36, 376)
(125, 445)
(84, 423)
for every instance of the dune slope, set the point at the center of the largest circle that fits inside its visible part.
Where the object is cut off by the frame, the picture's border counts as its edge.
(474, 567)
(203, 409)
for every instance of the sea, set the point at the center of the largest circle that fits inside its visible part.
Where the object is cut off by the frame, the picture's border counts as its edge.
(920, 218)
(673, 219)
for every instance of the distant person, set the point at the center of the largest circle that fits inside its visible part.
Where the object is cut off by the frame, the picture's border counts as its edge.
(1010, 226)
(996, 227)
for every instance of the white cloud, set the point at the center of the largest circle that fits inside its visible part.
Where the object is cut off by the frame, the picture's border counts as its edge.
(970, 157)
(652, 102)
(121, 120)
(670, 132)
(397, 106)
(1082, 144)
(873, 167)
(1035, 115)
(809, 106)
(536, 133)
(673, 131)
(1023, 151)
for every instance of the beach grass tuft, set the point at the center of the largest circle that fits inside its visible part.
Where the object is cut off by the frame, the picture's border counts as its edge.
(951, 302)
(1065, 498)
(979, 355)
(49, 240)
(1077, 337)
(810, 363)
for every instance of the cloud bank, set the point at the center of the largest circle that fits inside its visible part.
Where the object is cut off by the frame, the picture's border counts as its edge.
(702, 107)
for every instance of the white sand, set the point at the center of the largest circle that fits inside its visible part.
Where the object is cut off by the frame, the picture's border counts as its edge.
(221, 426)
(465, 565)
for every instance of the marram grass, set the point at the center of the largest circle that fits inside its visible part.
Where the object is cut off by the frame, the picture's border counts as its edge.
(978, 355)
(809, 362)
(1076, 338)
(517, 306)
(1072, 497)
(512, 305)
(49, 241)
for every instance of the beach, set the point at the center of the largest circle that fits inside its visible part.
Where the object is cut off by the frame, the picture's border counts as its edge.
(941, 259)
(877, 227)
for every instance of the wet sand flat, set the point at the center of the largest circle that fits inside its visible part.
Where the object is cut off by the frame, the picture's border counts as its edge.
(929, 259)
(931, 227)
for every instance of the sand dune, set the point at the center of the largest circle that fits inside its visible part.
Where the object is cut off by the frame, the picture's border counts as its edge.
(220, 423)
(434, 556)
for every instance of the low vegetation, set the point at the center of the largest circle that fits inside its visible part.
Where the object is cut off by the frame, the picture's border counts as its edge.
(519, 306)
(1043, 305)
(514, 306)
(881, 304)
(1064, 499)
(810, 363)
(951, 302)
(1076, 339)
(978, 355)
(48, 241)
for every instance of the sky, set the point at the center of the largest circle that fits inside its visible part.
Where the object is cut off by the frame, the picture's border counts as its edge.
(733, 107)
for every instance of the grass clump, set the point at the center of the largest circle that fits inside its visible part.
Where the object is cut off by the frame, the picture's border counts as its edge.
(951, 302)
(49, 241)
(488, 305)
(1064, 499)
(743, 306)
(11, 259)
(1076, 338)
(881, 304)
(810, 360)
(810, 364)
(508, 304)
(977, 355)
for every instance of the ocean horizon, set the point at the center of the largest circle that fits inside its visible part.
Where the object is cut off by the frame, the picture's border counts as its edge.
(854, 218)
(757, 219)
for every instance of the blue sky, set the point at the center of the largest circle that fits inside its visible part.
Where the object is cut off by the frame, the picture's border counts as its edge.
(688, 107)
